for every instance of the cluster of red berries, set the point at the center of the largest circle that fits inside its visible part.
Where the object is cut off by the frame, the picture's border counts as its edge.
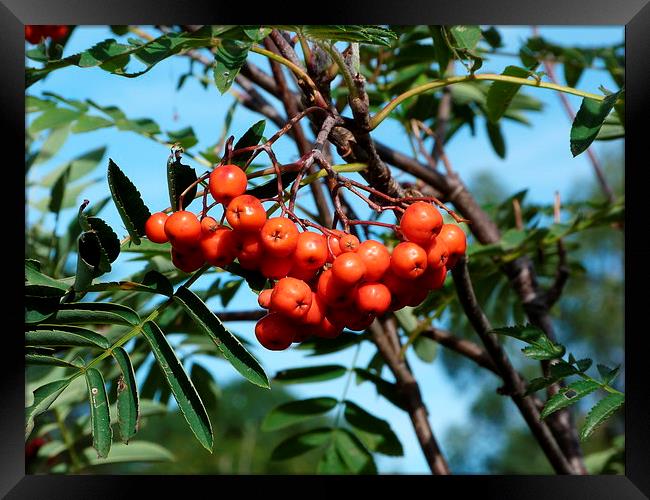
(34, 33)
(323, 283)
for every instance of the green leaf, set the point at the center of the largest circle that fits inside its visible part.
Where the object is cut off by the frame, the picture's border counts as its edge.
(310, 374)
(608, 374)
(373, 35)
(293, 412)
(229, 58)
(466, 37)
(300, 444)
(53, 143)
(242, 360)
(152, 282)
(355, 455)
(136, 451)
(205, 384)
(540, 345)
(100, 418)
(62, 335)
(425, 348)
(88, 123)
(496, 138)
(90, 313)
(568, 395)
(601, 411)
(44, 396)
(180, 384)
(179, 178)
(128, 402)
(53, 118)
(589, 120)
(384, 440)
(41, 359)
(574, 65)
(132, 210)
(186, 137)
(501, 94)
(41, 302)
(320, 346)
(331, 462)
(57, 192)
(442, 50)
(385, 388)
(79, 167)
(251, 137)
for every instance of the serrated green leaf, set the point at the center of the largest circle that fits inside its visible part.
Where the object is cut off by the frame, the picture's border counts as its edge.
(374, 35)
(355, 455)
(152, 282)
(41, 359)
(568, 395)
(229, 58)
(251, 137)
(132, 210)
(179, 178)
(100, 418)
(63, 335)
(601, 411)
(301, 443)
(90, 313)
(385, 440)
(44, 396)
(41, 302)
(540, 345)
(128, 402)
(310, 374)
(608, 374)
(589, 120)
(180, 385)
(238, 356)
(293, 412)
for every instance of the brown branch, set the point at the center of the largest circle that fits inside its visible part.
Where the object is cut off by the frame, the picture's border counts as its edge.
(385, 337)
(464, 347)
(514, 384)
(291, 109)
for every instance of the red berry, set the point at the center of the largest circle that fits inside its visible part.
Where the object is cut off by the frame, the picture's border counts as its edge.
(227, 182)
(421, 222)
(183, 229)
(154, 228)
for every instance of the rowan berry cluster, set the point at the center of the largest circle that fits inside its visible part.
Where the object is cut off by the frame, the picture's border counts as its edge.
(323, 282)
(34, 33)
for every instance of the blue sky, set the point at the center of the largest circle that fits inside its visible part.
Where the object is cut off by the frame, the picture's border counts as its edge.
(538, 158)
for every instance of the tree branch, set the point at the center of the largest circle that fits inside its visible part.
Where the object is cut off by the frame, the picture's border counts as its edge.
(514, 384)
(384, 335)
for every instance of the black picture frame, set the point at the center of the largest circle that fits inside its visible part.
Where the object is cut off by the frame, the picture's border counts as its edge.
(634, 14)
